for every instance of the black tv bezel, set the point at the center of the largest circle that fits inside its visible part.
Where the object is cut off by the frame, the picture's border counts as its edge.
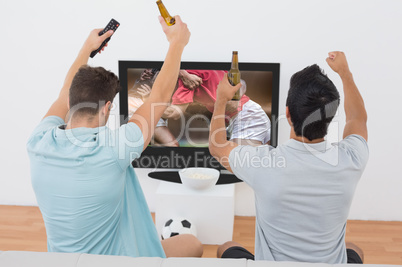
(189, 152)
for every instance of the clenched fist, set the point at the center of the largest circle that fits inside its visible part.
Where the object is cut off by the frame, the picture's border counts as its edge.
(338, 63)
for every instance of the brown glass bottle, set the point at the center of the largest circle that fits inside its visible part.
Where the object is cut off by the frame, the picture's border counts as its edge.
(234, 74)
(165, 14)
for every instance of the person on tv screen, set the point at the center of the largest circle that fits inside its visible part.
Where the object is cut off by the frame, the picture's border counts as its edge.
(304, 187)
(86, 188)
(137, 95)
(247, 123)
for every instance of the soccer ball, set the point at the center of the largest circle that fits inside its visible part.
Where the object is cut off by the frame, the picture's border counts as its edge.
(178, 226)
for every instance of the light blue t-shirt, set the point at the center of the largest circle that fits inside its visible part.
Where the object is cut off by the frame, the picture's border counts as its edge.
(303, 193)
(87, 190)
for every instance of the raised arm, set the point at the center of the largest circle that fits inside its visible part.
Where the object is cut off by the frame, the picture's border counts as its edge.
(147, 116)
(219, 147)
(60, 106)
(356, 115)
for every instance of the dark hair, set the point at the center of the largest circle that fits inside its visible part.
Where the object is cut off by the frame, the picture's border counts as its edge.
(91, 89)
(312, 101)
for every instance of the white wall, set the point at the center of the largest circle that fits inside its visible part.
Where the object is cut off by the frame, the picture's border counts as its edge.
(42, 38)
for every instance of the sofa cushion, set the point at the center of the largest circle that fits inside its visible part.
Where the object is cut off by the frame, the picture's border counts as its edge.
(284, 264)
(88, 260)
(203, 262)
(36, 259)
(46, 259)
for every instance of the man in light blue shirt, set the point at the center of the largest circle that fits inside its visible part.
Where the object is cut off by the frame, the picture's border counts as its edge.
(86, 188)
(303, 188)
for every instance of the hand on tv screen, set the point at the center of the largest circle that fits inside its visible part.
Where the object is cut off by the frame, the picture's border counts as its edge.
(144, 91)
(190, 81)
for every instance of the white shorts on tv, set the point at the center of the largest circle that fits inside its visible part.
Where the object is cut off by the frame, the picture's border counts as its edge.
(161, 122)
(252, 123)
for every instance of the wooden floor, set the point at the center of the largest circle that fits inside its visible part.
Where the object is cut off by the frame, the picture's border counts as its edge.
(22, 228)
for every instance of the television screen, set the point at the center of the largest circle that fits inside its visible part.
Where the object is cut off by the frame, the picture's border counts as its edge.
(184, 127)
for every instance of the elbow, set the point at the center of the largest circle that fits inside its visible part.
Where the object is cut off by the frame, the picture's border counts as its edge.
(361, 117)
(212, 150)
(365, 116)
(215, 146)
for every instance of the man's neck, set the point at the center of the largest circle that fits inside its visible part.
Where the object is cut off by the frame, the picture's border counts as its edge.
(91, 122)
(304, 139)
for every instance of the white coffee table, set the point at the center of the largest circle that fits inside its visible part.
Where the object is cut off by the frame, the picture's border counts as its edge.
(212, 211)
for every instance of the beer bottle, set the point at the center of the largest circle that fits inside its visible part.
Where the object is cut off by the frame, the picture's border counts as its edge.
(234, 74)
(165, 14)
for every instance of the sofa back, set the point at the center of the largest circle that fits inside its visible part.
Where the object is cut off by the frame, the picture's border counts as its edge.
(47, 259)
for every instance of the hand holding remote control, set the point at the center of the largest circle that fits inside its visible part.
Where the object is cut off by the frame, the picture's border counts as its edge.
(94, 41)
(112, 25)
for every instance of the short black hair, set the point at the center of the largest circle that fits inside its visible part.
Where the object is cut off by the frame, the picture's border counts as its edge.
(312, 101)
(91, 89)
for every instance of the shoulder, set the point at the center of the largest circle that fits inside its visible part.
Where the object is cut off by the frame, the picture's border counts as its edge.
(127, 143)
(48, 123)
(262, 149)
(129, 126)
(248, 154)
(356, 148)
(127, 135)
(249, 162)
(129, 131)
(354, 141)
(41, 131)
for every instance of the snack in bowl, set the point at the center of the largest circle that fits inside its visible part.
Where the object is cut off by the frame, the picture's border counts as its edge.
(199, 178)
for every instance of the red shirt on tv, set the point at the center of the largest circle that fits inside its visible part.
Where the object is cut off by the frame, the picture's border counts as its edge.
(205, 94)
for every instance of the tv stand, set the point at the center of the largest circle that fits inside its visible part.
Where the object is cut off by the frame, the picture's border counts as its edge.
(173, 176)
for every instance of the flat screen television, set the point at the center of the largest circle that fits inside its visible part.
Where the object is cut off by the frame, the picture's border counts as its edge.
(181, 136)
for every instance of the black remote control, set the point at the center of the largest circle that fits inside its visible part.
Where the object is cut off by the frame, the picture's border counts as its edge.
(112, 25)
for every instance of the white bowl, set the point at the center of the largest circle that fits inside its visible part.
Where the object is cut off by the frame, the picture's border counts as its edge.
(207, 178)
